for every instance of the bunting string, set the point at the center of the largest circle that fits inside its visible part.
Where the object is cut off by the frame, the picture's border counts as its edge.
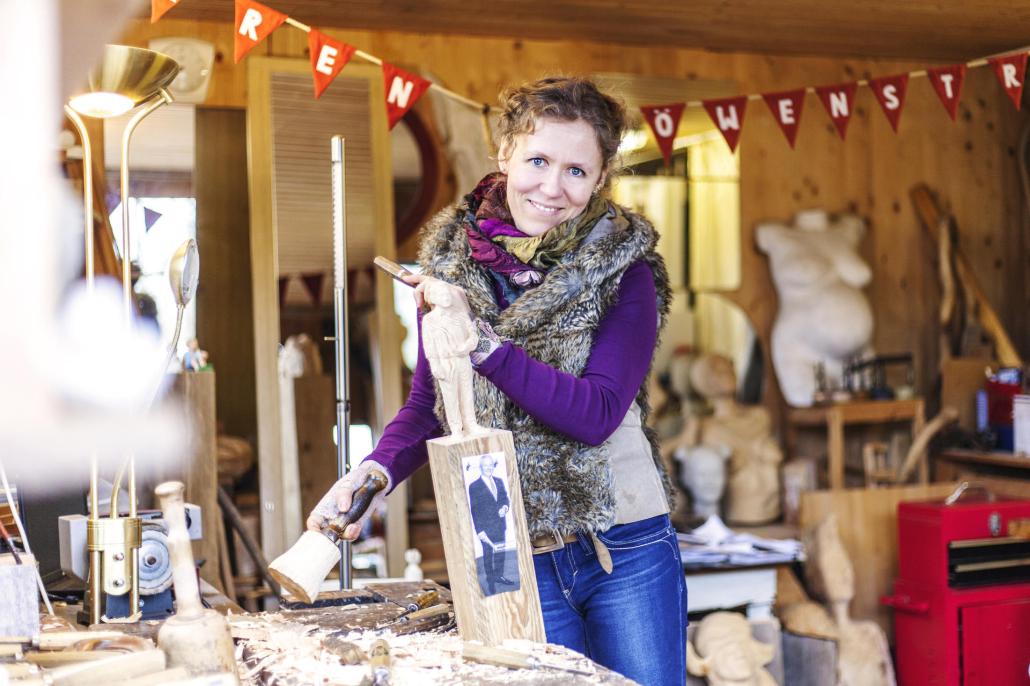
(255, 22)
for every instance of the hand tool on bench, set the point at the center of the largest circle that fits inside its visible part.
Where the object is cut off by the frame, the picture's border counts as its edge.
(512, 659)
(302, 569)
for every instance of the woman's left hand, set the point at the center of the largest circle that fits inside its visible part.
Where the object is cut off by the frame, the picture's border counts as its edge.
(421, 282)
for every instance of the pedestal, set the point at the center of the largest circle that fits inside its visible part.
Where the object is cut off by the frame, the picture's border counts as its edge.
(510, 612)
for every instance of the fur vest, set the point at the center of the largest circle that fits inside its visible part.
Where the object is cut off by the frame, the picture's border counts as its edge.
(566, 485)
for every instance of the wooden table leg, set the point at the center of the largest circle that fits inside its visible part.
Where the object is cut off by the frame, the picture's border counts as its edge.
(918, 422)
(835, 446)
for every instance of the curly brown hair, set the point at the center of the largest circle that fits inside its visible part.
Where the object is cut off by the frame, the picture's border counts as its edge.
(565, 98)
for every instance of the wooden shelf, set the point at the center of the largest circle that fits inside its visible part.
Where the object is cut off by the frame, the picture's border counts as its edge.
(836, 416)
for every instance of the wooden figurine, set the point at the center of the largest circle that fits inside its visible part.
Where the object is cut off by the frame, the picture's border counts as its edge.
(448, 336)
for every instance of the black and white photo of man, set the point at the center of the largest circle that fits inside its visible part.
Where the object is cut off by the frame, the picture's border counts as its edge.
(489, 503)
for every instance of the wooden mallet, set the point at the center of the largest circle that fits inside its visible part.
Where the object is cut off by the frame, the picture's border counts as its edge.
(195, 638)
(302, 569)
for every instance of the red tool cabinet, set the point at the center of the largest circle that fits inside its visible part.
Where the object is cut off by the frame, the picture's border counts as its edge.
(962, 597)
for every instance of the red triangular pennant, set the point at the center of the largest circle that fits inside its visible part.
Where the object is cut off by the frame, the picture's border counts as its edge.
(786, 108)
(890, 93)
(1011, 70)
(328, 57)
(947, 82)
(839, 103)
(159, 7)
(254, 22)
(664, 121)
(313, 285)
(728, 116)
(402, 91)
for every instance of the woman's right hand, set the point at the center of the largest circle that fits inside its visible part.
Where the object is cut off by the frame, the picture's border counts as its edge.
(337, 500)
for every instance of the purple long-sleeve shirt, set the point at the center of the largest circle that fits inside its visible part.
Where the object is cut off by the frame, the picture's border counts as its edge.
(587, 408)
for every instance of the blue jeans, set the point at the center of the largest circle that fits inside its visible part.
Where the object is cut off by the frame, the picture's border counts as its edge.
(632, 621)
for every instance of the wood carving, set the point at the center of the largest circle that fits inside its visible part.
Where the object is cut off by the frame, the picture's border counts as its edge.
(863, 655)
(727, 654)
(448, 336)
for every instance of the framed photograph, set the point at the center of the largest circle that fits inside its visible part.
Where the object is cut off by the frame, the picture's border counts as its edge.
(486, 482)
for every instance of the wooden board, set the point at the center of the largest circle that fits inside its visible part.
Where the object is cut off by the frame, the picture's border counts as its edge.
(490, 619)
(868, 524)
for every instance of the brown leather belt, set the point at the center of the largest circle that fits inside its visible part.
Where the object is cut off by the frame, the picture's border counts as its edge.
(549, 542)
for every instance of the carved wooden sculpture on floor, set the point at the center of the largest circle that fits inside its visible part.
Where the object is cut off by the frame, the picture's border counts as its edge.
(753, 494)
(727, 655)
(863, 655)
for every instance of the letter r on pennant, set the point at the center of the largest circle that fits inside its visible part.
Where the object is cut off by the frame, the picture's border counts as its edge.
(251, 20)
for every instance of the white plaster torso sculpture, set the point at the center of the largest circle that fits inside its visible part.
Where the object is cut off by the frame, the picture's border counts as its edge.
(753, 495)
(448, 336)
(823, 315)
(726, 653)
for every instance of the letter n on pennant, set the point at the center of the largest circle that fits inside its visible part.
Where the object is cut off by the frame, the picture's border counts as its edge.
(947, 82)
(254, 22)
(664, 121)
(328, 57)
(402, 91)
(728, 115)
(159, 7)
(839, 102)
(890, 93)
(1011, 71)
(786, 108)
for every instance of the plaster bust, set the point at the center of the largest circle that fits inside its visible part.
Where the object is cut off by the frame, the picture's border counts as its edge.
(704, 474)
(823, 315)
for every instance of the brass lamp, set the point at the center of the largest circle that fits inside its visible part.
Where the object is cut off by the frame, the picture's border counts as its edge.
(127, 77)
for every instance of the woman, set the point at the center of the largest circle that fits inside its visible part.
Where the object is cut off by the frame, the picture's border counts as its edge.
(569, 295)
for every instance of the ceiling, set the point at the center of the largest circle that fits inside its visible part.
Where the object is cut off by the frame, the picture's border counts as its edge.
(923, 29)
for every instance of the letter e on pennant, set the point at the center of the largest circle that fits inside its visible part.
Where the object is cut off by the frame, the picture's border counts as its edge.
(254, 22)
(402, 91)
(728, 116)
(664, 121)
(786, 108)
(328, 57)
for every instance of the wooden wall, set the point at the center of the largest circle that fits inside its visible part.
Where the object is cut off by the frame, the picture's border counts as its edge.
(972, 163)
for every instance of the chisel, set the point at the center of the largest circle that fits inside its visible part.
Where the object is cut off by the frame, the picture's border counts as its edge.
(512, 659)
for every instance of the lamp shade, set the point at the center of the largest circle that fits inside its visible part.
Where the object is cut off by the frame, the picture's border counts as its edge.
(125, 77)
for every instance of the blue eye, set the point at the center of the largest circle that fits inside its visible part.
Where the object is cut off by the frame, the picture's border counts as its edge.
(576, 171)
(537, 161)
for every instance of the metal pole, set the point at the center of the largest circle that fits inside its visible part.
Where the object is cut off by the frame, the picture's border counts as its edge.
(340, 331)
(87, 193)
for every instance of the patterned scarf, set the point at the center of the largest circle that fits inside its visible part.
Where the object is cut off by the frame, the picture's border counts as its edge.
(503, 249)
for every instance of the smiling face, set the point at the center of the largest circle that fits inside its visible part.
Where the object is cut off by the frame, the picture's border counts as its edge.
(552, 173)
